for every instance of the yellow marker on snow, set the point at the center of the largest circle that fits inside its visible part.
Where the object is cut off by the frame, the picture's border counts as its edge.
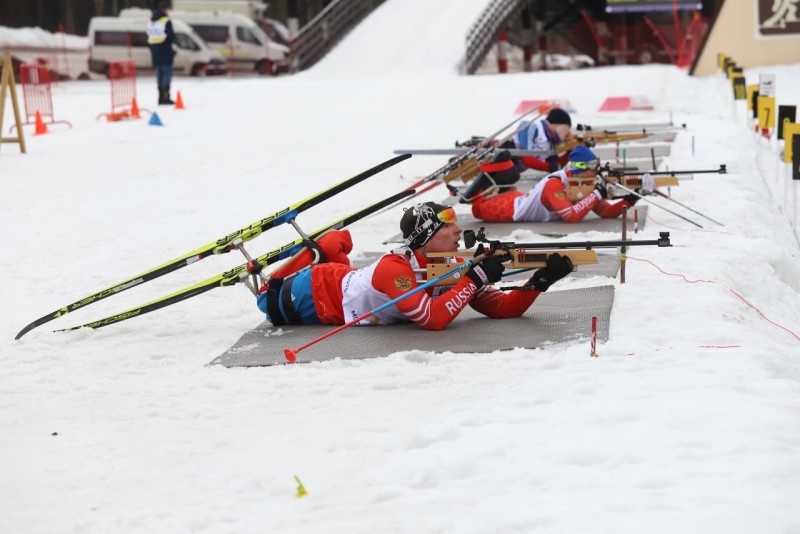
(301, 490)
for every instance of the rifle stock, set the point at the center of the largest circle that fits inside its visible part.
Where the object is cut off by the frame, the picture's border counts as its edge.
(520, 259)
(580, 191)
(592, 138)
(466, 171)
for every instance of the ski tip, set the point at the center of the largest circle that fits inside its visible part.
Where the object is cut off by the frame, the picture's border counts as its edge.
(404, 156)
(291, 355)
(24, 331)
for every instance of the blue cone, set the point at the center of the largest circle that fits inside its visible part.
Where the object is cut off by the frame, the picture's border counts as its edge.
(155, 120)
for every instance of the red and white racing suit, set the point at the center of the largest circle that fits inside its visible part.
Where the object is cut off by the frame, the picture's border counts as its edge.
(547, 201)
(342, 293)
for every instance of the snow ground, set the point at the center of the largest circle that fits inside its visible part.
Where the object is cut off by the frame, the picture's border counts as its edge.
(689, 421)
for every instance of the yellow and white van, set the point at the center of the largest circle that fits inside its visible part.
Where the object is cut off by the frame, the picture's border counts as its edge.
(114, 38)
(236, 37)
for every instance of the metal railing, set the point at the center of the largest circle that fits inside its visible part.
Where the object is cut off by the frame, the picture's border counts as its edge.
(483, 33)
(319, 36)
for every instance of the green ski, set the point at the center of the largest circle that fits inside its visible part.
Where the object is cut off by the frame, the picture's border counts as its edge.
(220, 246)
(241, 272)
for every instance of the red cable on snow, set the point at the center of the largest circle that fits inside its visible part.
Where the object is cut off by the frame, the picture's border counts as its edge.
(723, 285)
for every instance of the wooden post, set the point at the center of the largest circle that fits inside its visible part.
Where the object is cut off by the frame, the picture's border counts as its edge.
(9, 84)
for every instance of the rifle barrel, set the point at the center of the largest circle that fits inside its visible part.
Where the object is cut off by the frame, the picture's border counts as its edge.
(722, 170)
(471, 238)
(588, 245)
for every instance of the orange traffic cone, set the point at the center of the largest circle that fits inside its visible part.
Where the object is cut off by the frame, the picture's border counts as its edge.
(41, 127)
(135, 109)
(179, 102)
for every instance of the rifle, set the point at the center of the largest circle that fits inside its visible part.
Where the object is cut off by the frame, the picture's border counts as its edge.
(607, 169)
(585, 185)
(614, 173)
(466, 164)
(573, 140)
(532, 255)
(590, 139)
(471, 238)
(652, 126)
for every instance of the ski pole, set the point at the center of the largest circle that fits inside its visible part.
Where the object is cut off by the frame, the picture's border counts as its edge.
(291, 354)
(664, 195)
(631, 191)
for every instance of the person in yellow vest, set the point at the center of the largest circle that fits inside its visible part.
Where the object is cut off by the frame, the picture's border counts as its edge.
(160, 37)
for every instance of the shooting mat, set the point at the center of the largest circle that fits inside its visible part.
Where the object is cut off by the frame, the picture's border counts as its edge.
(555, 317)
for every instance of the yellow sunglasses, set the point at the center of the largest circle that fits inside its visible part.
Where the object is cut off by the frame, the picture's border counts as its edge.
(447, 215)
(585, 165)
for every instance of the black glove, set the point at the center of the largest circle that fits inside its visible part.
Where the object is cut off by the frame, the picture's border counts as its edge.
(489, 270)
(558, 267)
(602, 189)
(508, 144)
(630, 199)
(473, 141)
(502, 155)
(521, 167)
(552, 163)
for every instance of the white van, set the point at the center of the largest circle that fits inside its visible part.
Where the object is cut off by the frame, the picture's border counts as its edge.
(254, 9)
(113, 38)
(236, 37)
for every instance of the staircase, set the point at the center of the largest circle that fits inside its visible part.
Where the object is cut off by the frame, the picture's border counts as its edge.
(321, 34)
(529, 22)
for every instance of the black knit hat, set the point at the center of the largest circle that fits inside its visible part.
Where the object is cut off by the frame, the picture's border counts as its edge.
(559, 116)
(419, 223)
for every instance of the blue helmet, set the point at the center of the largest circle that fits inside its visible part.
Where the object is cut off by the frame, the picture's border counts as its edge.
(582, 159)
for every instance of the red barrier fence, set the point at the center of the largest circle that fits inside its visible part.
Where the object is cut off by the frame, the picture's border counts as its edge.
(122, 74)
(35, 80)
